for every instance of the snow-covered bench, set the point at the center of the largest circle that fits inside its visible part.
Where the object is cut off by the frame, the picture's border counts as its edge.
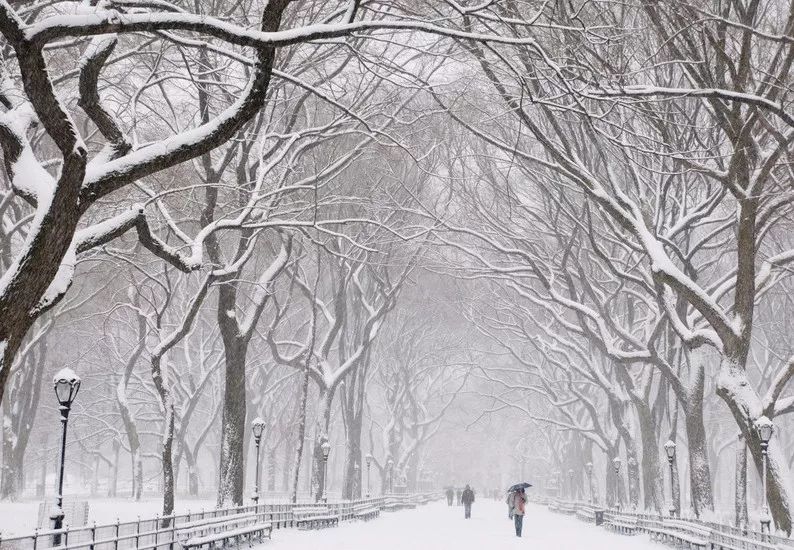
(733, 541)
(678, 533)
(391, 505)
(625, 525)
(314, 517)
(223, 529)
(586, 513)
(365, 512)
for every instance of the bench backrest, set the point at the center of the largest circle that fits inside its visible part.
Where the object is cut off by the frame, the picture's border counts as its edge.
(311, 511)
(214, 520)
(221, 523)
(362, 507)
(687, 526)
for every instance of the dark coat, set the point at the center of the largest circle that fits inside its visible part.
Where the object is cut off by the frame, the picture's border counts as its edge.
(468, 496)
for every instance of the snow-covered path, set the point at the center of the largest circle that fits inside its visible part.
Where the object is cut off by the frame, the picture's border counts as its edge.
(439, 527)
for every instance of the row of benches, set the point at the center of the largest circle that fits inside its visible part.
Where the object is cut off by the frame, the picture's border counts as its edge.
(246, 527)
(681, 534)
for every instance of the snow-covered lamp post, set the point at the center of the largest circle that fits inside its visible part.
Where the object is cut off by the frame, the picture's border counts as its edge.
(325, 446)
(66, 384)
(616, 463)
(765, 429)
(258, 428)
(669, 448)
(390, 465)
(369, 465)
(570, 477)
(589, 469)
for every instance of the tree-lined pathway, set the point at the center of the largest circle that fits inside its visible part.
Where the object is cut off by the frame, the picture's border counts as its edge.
(439, 527)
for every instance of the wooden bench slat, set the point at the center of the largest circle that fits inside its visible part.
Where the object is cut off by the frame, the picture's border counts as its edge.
(225, 535)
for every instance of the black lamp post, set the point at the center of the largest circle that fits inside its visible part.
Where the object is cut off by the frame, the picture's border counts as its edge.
(368, 458)
(765, 429)
(325, 446)
(669, 448)
(616, 463)
(66, 384)
(390, 465)
(258, 428)
(589, 469)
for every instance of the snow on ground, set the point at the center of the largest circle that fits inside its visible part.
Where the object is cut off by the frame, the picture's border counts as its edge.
(20, 518)
(439, 527)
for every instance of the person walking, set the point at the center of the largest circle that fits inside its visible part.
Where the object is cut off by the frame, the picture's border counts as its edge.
(457, 495)
(467, 497)
(517, 509)
(450, 496)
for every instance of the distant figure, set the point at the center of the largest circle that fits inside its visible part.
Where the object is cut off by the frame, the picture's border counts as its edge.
(450, 496)
(467, 497)
(458, 494)
(516, 502)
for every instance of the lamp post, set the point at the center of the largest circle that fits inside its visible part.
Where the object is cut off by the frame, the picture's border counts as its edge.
(258, 428)
(589, 469)
(570, 477)
(765, 429)
(325, 446)
(390, 465)
(66, 384)
(369, 465)
(616, 463)
(669, 448)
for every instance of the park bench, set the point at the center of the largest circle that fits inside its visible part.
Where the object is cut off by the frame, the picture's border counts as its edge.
(679, 533)
(733, 541)
(566, 508)
(365, 512)
(314, 517)
(586, 514)
(625, 525)
(391, 505)
(223, 529)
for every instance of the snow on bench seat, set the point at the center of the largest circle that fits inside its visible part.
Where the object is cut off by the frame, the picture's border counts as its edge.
(316, 517)
(225, 535)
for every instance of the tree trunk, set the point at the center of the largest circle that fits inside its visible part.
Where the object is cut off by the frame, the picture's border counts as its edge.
(741, 517)
(321, 432)
(168, 464)
(166, 402)
(113, 482)
(12, 471)
(271, 469)
(699, 470)
(353, 469)
(303, 394)
(192, 472)
(95, 477)
(652, 476)
(233, 422)
(736, 390)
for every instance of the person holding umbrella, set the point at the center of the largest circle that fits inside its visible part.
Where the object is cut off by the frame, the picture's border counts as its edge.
(517, 501)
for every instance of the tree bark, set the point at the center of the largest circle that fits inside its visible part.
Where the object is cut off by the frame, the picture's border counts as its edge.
(736, 390)
(740, 501)
(303, 395)
(233, 422)
(699, 469)
(113, 482)
(321, 431)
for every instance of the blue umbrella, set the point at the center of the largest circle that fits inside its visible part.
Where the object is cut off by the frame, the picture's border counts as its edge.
(518, 486)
